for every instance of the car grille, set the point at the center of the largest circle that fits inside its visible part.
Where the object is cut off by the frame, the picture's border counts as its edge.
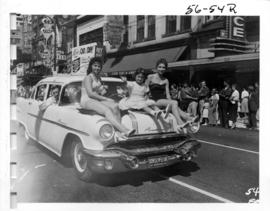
(152, 146)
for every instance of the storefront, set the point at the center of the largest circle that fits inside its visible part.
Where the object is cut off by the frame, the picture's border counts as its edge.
(225, 48)
(240, 69)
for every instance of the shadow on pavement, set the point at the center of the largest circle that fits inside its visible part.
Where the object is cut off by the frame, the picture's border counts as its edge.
(137, 178)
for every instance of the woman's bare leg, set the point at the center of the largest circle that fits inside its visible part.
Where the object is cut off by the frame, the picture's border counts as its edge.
(184, 115)
(114, 107)
(174, 107)
(107, 112)
(148, 110)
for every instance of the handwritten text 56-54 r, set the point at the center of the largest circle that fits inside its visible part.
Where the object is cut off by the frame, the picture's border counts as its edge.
(217, 9)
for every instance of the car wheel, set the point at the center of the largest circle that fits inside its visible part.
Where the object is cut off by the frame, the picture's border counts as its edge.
(80, 162)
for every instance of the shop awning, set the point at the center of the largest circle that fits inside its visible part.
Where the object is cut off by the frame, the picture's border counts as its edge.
(146, 60)
(215, 60)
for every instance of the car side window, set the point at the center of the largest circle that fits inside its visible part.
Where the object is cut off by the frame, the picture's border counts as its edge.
(32, 96)
(41, 90)
(71, 93)
(52, 89)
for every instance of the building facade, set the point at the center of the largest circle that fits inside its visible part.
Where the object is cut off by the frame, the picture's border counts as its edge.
(211, 48)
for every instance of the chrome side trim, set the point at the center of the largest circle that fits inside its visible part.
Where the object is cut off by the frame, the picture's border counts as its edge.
(59, 124)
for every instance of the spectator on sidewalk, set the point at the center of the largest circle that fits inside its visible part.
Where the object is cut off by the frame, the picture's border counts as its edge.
(244, 103)
(174, 92)
(253, 105)
(213, 108)
(224, 103)
(203, 94)
(189, 101)
(257, 91)
(234, 99)
(205, 112)
(193, 105)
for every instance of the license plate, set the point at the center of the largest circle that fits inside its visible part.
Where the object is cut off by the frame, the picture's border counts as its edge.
(156, 161)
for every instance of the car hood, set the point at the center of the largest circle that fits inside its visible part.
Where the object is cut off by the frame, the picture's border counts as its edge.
(147, 124)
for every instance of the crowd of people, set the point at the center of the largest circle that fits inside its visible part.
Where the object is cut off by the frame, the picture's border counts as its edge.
(225, 107)
(24, 91)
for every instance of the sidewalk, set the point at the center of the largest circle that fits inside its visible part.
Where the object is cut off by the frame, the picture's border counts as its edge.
(240, 135)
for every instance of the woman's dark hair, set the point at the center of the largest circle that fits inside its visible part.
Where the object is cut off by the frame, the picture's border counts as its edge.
(92, 61)
(138, 71)
(162, 61)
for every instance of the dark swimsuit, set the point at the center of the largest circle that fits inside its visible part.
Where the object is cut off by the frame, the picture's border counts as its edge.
(157, 91)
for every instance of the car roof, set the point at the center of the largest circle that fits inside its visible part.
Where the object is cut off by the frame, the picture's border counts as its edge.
(65, 79)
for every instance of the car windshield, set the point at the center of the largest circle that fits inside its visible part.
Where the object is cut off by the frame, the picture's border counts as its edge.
(72, 92)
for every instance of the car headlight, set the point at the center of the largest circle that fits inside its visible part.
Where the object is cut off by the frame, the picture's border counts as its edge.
(106, 132)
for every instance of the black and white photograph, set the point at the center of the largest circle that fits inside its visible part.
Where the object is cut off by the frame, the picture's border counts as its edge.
(138, 107)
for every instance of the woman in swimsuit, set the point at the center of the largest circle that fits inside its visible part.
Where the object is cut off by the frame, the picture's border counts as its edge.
(92, 98)
(159, 89)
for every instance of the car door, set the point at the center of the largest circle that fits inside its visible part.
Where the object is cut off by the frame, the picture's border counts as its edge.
(51, 129)
(34, 117)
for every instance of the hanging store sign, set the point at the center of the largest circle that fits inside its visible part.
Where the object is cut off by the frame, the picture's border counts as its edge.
(81, 56)
(47, 29)
(237, 27)
(114, 30)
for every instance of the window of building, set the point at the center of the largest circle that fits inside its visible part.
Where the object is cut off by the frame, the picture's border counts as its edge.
(140, 27)
(185, 23)
(151, 23)
(91, 37)
(211, 18)
(170, 24)
(126, 19)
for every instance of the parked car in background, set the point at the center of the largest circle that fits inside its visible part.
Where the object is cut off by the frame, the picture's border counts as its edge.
(88, 140)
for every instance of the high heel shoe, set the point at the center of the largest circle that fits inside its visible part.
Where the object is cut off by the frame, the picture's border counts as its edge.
(195, 119)
(157, 113)
(120, 137)
(131, 132)
(181, 128)
(166, 111)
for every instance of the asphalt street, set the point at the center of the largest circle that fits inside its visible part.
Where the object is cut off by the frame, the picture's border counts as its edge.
(226, 170)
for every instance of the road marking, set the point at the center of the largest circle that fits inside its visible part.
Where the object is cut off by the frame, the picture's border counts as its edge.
(221, 145)
(214, 196)
(24, 175)
(41, 165)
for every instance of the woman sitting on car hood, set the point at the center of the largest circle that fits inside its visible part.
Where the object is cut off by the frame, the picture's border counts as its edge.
(92, 98)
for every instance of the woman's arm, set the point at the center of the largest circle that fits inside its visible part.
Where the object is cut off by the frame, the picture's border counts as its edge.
(148, 80)
(167, 90)
(88, 86)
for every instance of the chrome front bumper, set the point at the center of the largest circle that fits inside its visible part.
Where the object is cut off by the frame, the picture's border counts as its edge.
(119, 159)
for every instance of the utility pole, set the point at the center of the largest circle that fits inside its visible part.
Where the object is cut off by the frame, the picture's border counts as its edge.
(55, 46)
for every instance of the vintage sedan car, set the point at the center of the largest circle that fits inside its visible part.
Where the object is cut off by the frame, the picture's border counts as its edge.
(88, 139)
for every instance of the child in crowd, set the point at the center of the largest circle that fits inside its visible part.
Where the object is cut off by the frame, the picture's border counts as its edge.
(138, 96)
(205, 112)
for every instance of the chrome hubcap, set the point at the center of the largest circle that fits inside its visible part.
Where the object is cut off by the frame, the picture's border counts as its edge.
(79, 158)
